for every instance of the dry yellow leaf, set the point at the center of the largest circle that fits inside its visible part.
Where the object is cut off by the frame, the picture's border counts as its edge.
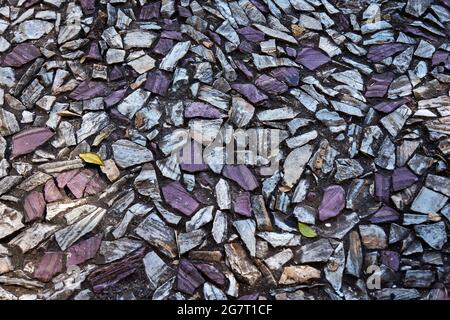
(91, 157)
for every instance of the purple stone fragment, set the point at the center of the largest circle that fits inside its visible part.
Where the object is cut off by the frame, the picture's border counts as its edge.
(150, 11)
(389, 106)
(107, 276)
(270, 85)
(242, 204)
(63, 178)
(83, 250)
(245, 47)
(21, 54)
(291, 52)
(382, 187)
(158, 82)
(333, 202)
(248, 90)
(241, 175)
(439, 57)
(163, 46)
(289, 75)
(188, 277)
(384, 214)
(311, 58)
(178, 198)
(95, 186)
(211, 272)
(115, 97)
(251, 34)
(184, 12)
(51, 192)
(88, 89)
(390, 259)
(78, 183)
(50, 265)
(244, 69)
(28, 140)
(116, 73)
(403, 178)
(378, 85)
(174, 35)
(202, 110)
(249, 297)
(88, 6)
(215, 37)
(34, 206)
(260, 5)
(94, 52)
(380, 52)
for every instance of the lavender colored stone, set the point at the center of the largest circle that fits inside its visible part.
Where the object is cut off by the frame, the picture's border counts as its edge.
(88, 89)
(260, 5)
(390, 259)
(184, 12)
(188, 277)
(311, 58)
(78, 183)
(34, 206)
(382, 187)
(249, 297)
(50, 265)
(384, 214)
(244, 69)
(403, 178)
(88, 6)
(289, 75)
(63, 178)
(116, 73)
(333, 202)
(28, 140)
(389, 106)
(115, 97)
(158, 82)
(178, 198)
(439, 57)
(251, 34)
(378, 85)
(95, 186)
(252, 93)
(94, 52)
(21, 54)
(51, 192)
(174, 35)
(380, 52)
(211, 272)
(291, 52)
(163, 46)
(246, 47)
(242, 204)
(150, 11)
(241, 175)
(107, 276)
(202, 110)
(83, 250)
(270, 85)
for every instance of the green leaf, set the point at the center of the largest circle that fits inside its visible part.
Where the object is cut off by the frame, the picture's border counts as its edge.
(91, 157)
(306, 230)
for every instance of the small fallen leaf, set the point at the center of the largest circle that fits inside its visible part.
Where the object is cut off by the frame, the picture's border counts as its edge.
(306, 230)
(66, 113)
(91, 157)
